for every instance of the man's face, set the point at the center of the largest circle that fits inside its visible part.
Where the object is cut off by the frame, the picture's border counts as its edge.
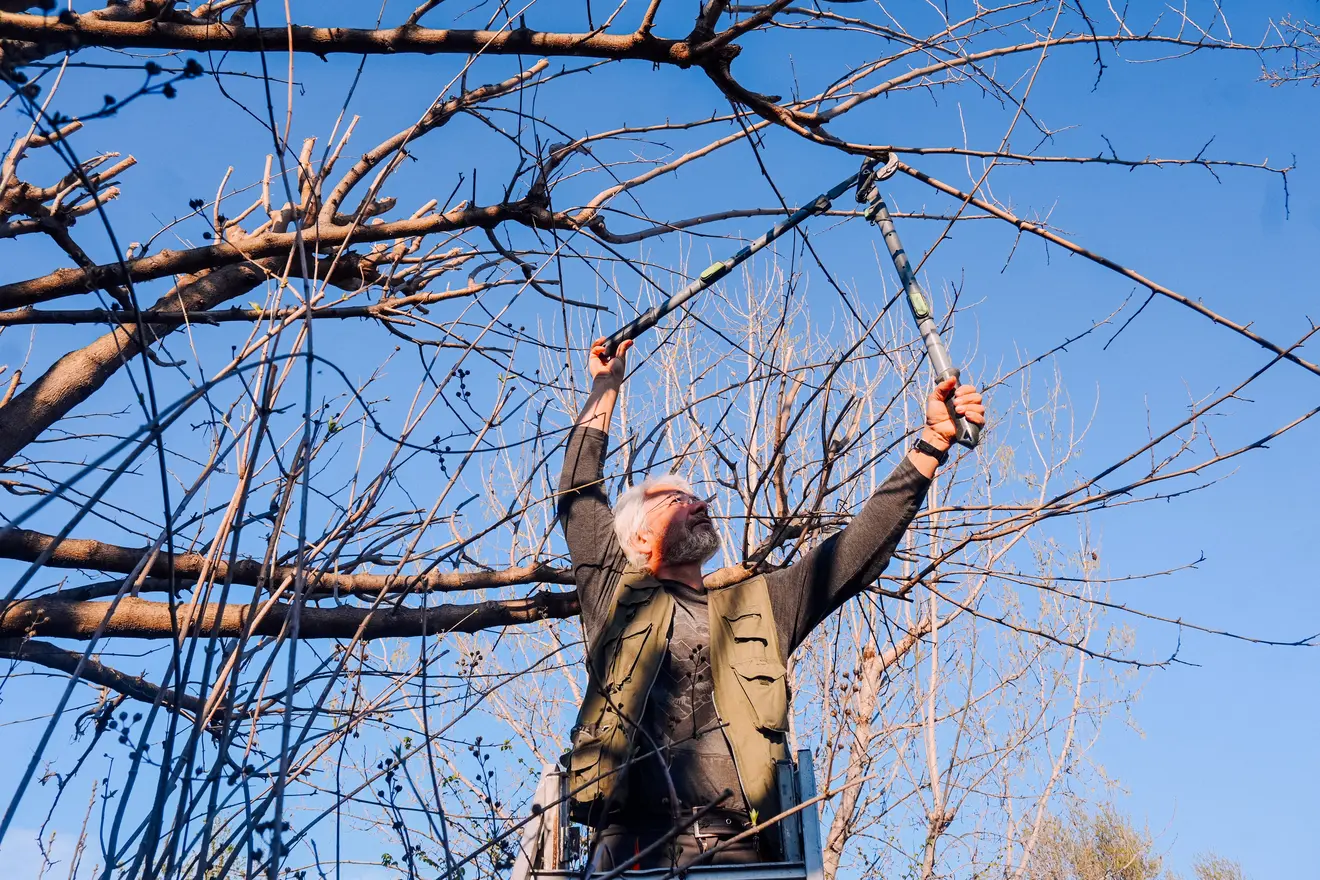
(679, 523)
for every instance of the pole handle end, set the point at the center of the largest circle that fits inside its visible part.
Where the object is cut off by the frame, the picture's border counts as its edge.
(969, 434)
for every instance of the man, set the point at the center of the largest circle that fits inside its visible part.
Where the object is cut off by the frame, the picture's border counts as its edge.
(686, 696)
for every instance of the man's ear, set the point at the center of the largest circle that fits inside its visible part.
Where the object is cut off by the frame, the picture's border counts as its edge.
(645, 543)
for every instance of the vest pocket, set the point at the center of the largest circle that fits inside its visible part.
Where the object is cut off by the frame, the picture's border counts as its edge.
(594, 760)
(746, 628)
(624, 656)
(590, 746)
(762, 682)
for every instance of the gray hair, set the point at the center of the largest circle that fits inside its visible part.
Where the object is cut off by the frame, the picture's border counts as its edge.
(630, 511)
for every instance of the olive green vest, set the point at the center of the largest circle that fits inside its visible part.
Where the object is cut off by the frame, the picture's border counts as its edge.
(751, 694)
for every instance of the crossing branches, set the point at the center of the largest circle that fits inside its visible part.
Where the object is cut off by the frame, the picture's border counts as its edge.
(291, 324)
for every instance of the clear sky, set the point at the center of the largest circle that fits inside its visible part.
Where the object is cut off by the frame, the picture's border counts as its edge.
(1221, 753)
(1226, 758)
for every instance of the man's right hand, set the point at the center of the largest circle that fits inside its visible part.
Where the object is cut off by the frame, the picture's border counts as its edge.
(606, 381)
(606, 368)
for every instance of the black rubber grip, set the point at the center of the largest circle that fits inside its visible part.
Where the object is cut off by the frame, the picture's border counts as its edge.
(969, 434)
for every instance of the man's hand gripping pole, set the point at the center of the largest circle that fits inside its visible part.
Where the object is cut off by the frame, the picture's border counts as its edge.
(715, 271)
(918, 302)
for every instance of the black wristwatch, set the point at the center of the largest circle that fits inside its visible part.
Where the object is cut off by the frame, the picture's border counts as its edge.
(940, 455)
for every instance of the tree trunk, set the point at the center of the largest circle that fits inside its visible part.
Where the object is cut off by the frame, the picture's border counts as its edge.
(80, 374)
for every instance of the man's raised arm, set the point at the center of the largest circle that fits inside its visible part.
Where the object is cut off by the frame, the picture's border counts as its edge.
(843, 565)
(583, 506)
(607, 375)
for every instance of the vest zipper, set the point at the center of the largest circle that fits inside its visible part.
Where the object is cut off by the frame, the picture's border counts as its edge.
(646, 700)
(714, 698)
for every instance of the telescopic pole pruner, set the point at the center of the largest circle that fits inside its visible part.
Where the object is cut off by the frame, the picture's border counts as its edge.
(877, 212)
(918, 302)
(715, 271)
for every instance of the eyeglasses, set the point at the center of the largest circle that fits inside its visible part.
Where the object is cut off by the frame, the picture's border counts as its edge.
(674, 497)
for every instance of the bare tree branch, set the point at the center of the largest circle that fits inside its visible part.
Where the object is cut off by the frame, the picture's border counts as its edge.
(78, 375)
(81, 553)
(96, 672)
(135, 618)
(49, 35)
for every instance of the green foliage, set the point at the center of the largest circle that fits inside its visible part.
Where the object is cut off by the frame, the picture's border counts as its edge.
(1103, 846)
(1107, 846)
(1211, 866)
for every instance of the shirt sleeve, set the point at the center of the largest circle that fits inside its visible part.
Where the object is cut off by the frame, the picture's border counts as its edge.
(584, 510)
(843, 565)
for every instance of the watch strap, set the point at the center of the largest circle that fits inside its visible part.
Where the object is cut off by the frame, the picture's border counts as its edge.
(940, 455)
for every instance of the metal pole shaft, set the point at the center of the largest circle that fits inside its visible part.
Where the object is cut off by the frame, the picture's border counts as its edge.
(920, 305)
(715, 271)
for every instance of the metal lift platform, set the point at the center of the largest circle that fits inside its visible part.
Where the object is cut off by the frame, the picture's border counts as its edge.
(552, 848)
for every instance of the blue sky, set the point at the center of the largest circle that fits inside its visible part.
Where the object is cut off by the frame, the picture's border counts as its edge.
(1226, 759)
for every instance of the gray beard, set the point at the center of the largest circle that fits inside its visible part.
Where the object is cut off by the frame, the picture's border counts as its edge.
(692, 545)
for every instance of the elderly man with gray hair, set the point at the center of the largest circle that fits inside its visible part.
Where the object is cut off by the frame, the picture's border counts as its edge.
(686, 704)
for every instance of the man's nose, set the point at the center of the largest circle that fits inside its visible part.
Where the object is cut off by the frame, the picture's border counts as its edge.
(698, 506)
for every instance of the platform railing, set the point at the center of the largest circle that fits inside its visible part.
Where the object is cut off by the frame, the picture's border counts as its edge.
(553, 848)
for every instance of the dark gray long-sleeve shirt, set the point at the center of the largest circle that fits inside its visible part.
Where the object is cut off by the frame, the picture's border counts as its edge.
(680, 714)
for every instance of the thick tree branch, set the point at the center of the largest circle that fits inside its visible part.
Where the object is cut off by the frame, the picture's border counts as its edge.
(142, 619)
(388, 307)
(82, 553)
(95, 672)
(272, 244)
(49, 35)
(91, 555)
(80, 373)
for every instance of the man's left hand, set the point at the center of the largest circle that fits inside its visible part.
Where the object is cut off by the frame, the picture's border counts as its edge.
(940, 429)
